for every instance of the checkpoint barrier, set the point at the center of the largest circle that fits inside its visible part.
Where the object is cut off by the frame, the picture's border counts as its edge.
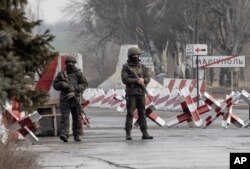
(224, 109)
(163, 99)
(190, 113)
(191, 84)
(20, 126)
(152, 115)
(216, 108)
(246, 97)
(191, 106)
(184, 99)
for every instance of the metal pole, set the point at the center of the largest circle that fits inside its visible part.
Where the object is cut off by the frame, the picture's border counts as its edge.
(196, 39)
(249, 114)
(197, 74)
(232, 80)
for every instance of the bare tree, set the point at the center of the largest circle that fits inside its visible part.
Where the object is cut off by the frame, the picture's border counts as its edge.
(228, 22)
(176, 27)
(164, 27)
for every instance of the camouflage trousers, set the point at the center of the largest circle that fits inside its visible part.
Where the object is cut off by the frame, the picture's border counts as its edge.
(135, 102)
(66, 108)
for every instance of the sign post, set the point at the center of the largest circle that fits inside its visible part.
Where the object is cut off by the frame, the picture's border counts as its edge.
(198, 50)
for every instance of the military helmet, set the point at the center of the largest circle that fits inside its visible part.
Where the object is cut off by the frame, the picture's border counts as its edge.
(70, 59)
(134, 51)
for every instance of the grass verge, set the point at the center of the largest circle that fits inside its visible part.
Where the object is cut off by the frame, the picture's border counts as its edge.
(13, 156)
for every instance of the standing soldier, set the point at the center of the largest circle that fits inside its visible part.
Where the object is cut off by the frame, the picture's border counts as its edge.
(135, 76)
(71, 82)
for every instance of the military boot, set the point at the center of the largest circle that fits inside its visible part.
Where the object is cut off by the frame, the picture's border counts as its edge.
(128, 135)
(145, 134)
(64, 138)
(77, 138)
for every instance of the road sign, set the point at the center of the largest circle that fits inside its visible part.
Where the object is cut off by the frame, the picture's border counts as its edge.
(219, 61)
(196, 49)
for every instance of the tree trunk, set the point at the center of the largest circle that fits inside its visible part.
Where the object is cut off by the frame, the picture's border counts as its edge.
(164, 59)
(180, 67)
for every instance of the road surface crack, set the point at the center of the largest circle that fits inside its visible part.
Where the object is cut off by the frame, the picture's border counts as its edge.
(110, 162)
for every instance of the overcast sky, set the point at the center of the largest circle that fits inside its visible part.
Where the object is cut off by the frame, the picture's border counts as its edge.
(50, 10)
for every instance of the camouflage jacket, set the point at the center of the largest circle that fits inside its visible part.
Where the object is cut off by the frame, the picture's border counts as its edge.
(129, 79)
(77, 80)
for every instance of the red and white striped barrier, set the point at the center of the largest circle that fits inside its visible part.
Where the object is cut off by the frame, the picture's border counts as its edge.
(154, 94)
(191, 107)
(228, 113)
(220, 109)
(122, 106)
(216, 106)
(25, 126)
(45, 81)
(186, 115)
(89, 93)
(11, 114)
(151, 97)
(162, 99)
(172, 100)
(22, 125)
(224, 109)
(229, 117)
(105, 103)
(87, 103)
(99, 96)
(119, 96)
(25, 121)
(246, 97)
(172, 84)
(152, 115)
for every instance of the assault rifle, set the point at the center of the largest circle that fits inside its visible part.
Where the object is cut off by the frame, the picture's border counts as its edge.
(142, 86)
(82, 115)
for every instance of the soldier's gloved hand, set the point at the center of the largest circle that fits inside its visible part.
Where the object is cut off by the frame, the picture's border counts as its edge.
(65, 85)
(141, 81)
(71, 89)
(77, 89)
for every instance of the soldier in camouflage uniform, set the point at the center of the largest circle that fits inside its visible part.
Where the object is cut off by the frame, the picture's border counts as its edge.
(71, 82)
(135, 95)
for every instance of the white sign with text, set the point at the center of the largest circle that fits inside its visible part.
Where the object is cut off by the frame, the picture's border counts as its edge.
(219, 61)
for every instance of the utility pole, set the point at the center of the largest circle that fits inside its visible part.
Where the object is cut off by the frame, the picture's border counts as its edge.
(196, 41)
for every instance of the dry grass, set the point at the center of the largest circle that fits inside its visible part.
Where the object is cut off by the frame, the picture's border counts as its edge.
(12, 156)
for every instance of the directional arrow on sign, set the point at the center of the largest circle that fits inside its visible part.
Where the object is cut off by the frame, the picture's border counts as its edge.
(196, 49)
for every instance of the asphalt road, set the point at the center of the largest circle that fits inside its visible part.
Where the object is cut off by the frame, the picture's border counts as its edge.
(104, 146)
